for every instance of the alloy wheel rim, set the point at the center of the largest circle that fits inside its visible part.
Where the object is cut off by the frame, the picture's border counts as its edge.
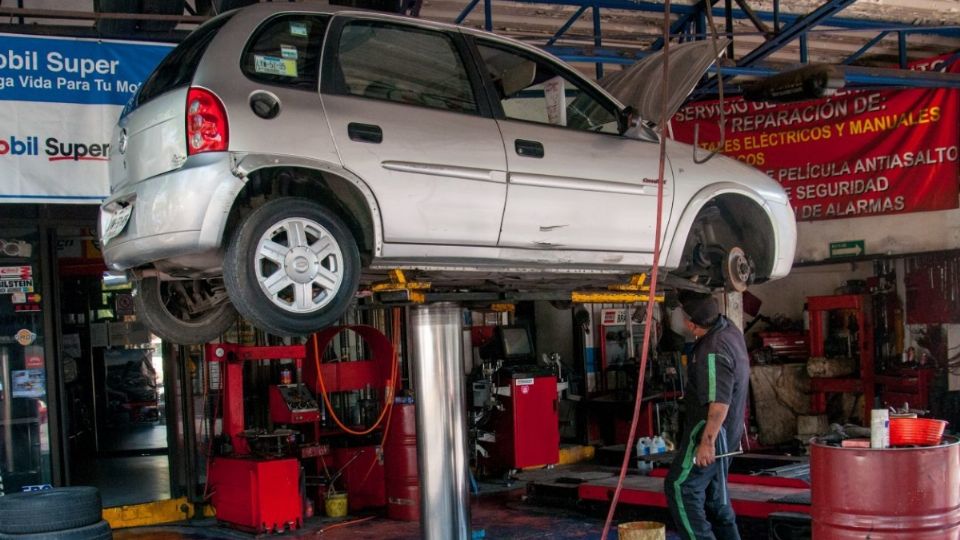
(299, 265)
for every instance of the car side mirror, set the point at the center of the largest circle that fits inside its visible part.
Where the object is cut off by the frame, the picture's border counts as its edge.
(626, 119)
(630, 124)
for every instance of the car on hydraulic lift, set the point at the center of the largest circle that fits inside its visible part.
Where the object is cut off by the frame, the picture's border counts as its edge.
(283, 154)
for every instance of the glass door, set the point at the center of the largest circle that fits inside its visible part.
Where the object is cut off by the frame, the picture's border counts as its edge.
(25, 440)
(116, 425)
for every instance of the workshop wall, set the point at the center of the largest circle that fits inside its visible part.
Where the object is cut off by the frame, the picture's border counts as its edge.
(786, 296)
(554, 331)
(882, 235)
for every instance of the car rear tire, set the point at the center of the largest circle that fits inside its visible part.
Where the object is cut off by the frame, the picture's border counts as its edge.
(292, 267)
(186, 312)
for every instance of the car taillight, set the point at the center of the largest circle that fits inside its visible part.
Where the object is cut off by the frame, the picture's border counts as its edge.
(207, 129)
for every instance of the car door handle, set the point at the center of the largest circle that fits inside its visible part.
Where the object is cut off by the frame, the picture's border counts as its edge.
(365, 133)
(526, 148)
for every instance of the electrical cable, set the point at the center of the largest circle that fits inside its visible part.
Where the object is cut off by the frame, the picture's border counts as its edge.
(395, 341)
(345, 524)
(638, 402)
(211, 434)
(388, 392)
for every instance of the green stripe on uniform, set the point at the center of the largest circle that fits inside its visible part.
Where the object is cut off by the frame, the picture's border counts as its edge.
(684, 473)
(712, 377)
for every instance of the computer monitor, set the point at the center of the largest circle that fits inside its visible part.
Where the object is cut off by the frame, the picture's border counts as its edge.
(516, 342)
(512, 344)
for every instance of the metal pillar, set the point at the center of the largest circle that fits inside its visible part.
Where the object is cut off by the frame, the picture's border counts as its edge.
(437, 370)
(733, 307)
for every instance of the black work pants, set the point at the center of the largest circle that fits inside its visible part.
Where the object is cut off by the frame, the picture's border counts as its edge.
(697, 496)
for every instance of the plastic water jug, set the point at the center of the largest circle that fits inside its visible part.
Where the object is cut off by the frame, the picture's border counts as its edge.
(659, 445)
(644, 446)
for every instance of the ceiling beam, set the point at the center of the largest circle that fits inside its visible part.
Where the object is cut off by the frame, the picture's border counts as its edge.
(767, 16)
(683, 20)
(794, 30)
(853, 75)
(754, 18)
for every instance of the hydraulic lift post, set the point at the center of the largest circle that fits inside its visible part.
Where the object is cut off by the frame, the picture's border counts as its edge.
(437, 370)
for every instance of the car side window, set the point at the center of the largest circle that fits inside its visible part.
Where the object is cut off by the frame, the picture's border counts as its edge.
(285, 51)
(533, 90)
(403, 64)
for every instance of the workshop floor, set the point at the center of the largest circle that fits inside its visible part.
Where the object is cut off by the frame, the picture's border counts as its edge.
(112, 476)
(497, 519)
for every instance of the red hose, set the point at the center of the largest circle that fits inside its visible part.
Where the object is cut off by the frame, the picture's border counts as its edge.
(648, 319)
(388, 392)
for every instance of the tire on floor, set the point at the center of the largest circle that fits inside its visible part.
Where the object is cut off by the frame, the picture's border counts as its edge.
(97, 531)
(56, 509)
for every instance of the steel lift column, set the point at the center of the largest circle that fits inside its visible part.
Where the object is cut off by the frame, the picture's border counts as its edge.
(437, 369)
(733, 307)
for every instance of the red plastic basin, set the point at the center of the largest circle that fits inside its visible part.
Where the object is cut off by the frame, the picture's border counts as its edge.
(916, 431)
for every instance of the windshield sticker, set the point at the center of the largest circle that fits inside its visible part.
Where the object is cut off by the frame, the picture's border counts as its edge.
(298, 29)
(288, 51)
(555, 94)
(272, 65)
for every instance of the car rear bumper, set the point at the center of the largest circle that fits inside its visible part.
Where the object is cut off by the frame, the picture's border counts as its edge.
(175, 214)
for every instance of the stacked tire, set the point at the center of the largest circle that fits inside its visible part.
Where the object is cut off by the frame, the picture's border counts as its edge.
(67, 513)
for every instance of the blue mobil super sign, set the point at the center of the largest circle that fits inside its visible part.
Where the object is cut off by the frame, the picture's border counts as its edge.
(60, 70)
(59, 101)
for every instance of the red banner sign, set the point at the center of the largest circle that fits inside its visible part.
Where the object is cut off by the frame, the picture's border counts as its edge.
(857, 153)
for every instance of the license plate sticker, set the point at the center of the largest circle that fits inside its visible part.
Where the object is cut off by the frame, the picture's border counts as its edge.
(117, 222)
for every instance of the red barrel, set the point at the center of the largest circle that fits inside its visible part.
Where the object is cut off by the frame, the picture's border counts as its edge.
(891, 493)
(400, 465)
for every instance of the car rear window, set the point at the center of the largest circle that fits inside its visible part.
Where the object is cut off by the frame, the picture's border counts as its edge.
(178, 67)
(285, 51)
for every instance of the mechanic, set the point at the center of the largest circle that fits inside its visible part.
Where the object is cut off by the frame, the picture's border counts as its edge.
(718, 374)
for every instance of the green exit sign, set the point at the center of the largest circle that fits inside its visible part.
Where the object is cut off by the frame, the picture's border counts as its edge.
(849, 248)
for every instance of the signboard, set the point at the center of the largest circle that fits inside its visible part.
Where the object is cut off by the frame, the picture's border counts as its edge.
(16, 279)
(858, 153)
(850, 248)
(59, 100)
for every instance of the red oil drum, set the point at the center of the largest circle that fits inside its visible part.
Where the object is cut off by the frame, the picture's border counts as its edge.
(889, 494)
(400, 465)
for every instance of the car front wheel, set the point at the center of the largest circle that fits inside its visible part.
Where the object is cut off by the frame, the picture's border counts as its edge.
(186, 312)
(292, 267)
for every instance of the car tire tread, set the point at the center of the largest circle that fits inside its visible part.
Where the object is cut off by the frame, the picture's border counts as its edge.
(96, 531)
(42, 512)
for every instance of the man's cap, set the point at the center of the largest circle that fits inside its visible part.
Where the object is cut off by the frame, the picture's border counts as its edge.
(702, 310)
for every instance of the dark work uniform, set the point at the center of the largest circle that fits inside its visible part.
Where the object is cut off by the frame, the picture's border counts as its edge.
(718, 370)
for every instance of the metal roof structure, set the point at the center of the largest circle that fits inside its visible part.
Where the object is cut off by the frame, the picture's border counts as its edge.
(768, 36)
(872, 40)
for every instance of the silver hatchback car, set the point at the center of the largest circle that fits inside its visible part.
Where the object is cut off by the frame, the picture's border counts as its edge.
(283, 153)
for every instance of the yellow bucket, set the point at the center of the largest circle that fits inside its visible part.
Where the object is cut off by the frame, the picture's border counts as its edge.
(336, 504)
(642, 530)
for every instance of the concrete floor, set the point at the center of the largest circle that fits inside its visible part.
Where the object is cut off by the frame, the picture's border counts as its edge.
(498, 520)
(113, 478)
